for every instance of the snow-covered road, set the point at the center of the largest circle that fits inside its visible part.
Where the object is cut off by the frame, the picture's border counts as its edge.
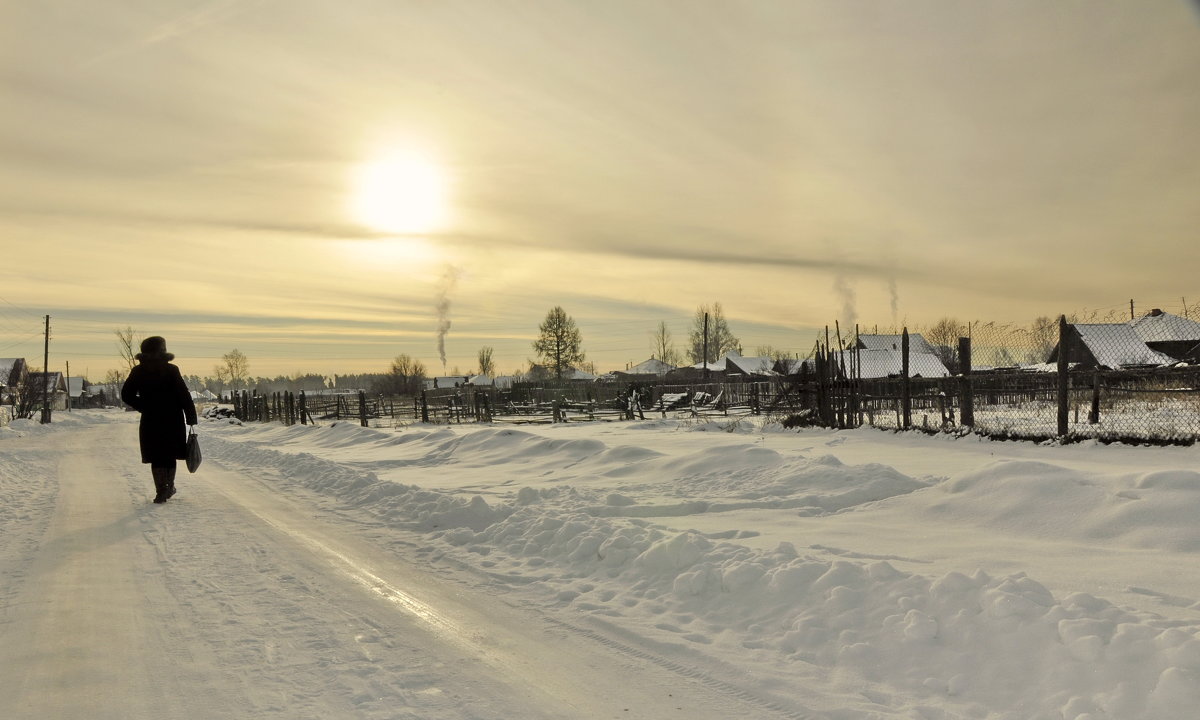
(236, 601)
(654, 569)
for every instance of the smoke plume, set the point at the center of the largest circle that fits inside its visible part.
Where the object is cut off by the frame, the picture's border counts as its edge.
(445, 286)
(846, 293)
(894, 292)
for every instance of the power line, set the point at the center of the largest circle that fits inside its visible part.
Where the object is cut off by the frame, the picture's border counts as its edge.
(31, 314)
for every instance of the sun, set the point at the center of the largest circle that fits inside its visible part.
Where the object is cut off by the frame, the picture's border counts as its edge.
(401, 192)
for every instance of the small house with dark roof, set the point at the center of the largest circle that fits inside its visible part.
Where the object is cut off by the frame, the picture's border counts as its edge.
(1109, 345)
(1169, 334)
(646, 371)
(731, 366)
(12, 374)
(873, 363)
(55, 385)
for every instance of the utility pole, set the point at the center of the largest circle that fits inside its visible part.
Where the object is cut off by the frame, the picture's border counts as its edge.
(706, 347)
(46, 376)
(1131, 309)
(68, 386)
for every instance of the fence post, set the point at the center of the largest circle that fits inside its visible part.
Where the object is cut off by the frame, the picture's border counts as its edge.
(1094, 415)
(966, 413)
(905, 390)
(424, 408)
(303, 409)
(362, 408)
(1064, 379)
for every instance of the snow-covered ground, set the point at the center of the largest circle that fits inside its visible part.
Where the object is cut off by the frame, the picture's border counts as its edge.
(631, 569)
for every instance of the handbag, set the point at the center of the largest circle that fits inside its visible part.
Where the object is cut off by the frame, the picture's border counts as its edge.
(192, 457)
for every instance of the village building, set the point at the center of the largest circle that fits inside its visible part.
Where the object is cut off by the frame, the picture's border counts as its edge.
(12, 374)
(916, 343)
(874, 363)
(55, 385)
(1178, 337)
(544, 372)
(447, 381)
(1109, 345)
(733, 366)
(647, 371)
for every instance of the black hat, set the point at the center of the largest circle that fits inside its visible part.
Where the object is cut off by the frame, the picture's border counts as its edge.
(155, 348)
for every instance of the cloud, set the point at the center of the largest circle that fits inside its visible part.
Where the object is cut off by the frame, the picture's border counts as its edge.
(212, 13)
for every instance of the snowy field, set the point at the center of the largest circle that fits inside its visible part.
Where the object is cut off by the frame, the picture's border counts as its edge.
(649, 569)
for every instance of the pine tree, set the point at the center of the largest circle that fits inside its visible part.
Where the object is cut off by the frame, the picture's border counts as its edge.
(559, 344)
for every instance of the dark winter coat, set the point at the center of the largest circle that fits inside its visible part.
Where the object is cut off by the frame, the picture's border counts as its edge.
(156, 390)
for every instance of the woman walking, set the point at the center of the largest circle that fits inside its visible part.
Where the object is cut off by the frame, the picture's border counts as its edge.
(156, 390)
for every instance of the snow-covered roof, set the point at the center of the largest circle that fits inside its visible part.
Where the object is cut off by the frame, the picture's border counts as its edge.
(715, 366)
(1159, 326)
(75, 387)
(7, 365)
(735, 363)
(792, 366)
(1116, 345)
(56, 380)
(653, 366)
(446, 381)
(749, 365)
(882, 363)
(479, 380)
(916, 342)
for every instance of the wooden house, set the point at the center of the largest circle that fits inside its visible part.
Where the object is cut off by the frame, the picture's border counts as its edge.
(732, 366)
(916, 343)
(873, 363)
(55, 385)
(1169, 334)
(1109, 345)
(12, 374)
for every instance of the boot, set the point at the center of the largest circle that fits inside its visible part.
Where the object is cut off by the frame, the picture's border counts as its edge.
(169, 479)
(160, 484)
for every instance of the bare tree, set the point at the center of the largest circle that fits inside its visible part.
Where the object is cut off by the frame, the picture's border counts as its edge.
(127, 345)
(487, 366)
(943, 336)
(1043, 337)
(721, 339)
(405, 377)
(27, 395)
(559, 344)
(234, 372)
(772, 352)
(663, 347)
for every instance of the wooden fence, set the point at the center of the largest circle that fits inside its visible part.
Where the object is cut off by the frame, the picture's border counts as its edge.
(1066, 402)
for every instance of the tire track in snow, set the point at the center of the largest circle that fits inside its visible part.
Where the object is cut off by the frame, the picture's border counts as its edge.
(564, 673)
(691, 673)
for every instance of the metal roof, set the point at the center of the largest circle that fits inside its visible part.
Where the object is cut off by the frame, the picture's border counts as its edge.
(1117, 345)
(1165, 327)
(916, 342)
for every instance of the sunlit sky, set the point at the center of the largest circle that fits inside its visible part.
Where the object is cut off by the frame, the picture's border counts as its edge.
(313, 182)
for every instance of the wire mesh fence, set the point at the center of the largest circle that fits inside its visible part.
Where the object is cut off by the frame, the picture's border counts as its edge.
(1135, 381)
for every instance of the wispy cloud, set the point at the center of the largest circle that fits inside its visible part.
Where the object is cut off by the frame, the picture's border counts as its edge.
(211, 13)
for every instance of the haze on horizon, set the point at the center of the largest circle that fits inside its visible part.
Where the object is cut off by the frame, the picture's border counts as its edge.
(320, 184)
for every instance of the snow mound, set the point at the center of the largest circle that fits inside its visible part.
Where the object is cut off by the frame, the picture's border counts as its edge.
(1000, 646)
